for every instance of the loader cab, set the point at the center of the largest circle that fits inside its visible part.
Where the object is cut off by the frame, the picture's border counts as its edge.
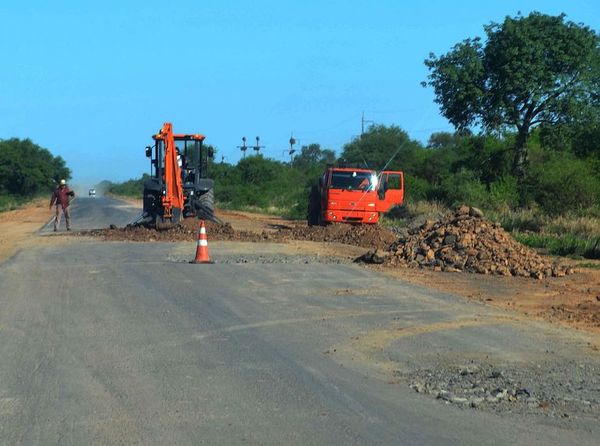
(193, 160)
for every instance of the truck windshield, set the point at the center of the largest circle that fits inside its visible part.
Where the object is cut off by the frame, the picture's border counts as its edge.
(354, 180)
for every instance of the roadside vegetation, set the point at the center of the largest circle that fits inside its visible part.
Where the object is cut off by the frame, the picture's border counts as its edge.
(526, 145)
(27, 171)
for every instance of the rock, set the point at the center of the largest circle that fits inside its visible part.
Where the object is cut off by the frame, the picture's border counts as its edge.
(459, 400)
(463, 210)
(380, 256)
(476, 212)
(450, 239)
(468, 370)
(523, 392)
(444, 395)
(476, 401)
(418, 387)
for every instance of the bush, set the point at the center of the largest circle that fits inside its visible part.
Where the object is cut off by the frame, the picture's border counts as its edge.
(27, 169)
(462, 187)
(416, 189)
(503, 193)
(561, 183)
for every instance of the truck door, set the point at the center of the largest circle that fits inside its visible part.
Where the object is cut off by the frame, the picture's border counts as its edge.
(391, 190)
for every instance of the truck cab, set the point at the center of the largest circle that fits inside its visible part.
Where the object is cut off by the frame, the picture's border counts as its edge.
(354, 195)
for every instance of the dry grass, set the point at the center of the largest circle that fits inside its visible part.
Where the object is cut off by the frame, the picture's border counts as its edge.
(582, 226)
(426, 207)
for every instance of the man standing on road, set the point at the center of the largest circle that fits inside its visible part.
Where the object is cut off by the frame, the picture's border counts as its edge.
(61, 196)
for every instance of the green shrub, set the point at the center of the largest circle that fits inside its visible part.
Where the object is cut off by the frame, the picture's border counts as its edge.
(9, 202)
(561, 183)
(503, 193)
(416, 189)
(462, 187)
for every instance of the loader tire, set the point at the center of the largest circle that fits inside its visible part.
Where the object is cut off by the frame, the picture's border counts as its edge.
(206, 205)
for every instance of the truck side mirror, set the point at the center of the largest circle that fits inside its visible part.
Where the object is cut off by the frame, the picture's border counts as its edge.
(211, 152)
(148, 151)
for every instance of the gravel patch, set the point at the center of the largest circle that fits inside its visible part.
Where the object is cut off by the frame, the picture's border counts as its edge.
(271, 259)
(568, 389)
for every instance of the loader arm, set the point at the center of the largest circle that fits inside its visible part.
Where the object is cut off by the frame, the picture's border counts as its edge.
(173, 196)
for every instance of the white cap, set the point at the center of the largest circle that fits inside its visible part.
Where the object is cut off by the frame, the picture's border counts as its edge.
(63, 182)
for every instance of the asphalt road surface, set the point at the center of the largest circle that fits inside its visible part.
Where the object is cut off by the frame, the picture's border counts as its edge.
(117, 343)
(96, 213)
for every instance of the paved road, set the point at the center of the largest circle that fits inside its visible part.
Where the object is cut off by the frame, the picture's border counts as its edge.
(97, 213)
(116, 343)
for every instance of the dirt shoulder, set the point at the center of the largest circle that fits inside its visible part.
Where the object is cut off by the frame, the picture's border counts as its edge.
(19, 227)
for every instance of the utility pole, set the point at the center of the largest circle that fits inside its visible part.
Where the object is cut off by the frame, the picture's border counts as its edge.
(257, 147)
(243, 147)
(292, 150)
(362, 124)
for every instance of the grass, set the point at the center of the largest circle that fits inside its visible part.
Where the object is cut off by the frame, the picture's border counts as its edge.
(589, 265)
(568, 244)
(10, 202)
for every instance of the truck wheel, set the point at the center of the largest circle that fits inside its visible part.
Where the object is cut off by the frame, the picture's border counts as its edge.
(314, 207)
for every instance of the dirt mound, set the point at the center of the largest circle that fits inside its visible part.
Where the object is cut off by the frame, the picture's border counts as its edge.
(465, 241)
(363, 236)
(187, 231)
(367, 236)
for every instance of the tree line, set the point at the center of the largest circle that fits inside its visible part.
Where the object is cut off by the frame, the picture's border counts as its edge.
(563, 175)
(27, 170)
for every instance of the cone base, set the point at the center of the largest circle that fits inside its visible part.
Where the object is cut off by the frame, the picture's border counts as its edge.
(202, 261)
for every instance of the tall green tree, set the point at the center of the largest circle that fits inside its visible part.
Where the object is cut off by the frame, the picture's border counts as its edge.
(532, 70)
(382, 146)
(27, 169)
(312, 156)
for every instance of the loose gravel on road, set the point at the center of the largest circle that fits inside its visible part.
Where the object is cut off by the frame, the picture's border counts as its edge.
(554, 388)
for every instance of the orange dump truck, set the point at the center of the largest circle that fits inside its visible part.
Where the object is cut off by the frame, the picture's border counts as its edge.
(359, 196)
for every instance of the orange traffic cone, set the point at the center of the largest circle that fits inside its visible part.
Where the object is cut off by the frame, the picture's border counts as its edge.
(202, 246)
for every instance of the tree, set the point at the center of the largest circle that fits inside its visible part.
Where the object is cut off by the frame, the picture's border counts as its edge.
(313, 156)
(27, 169)
(532, 70)
(383, 146)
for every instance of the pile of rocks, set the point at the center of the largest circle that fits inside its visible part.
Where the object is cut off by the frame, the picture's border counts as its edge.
(465, 241)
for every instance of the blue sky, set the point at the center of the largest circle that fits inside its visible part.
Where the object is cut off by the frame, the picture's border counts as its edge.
(93, 80)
